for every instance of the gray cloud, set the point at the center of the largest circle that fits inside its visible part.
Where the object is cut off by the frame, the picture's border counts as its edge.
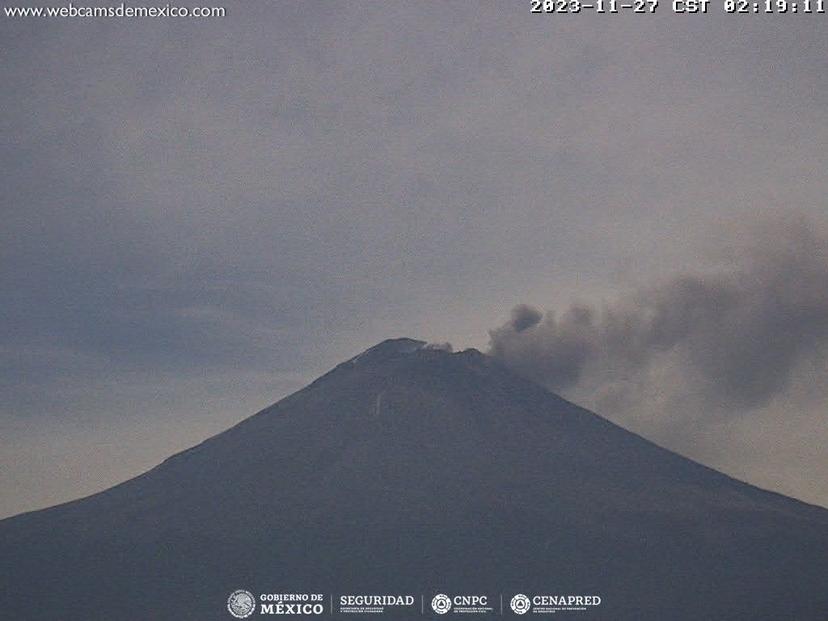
(524, 317)
(738, 334)
(187, 205)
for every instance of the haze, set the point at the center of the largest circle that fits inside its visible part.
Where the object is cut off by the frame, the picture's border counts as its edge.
(201, 216)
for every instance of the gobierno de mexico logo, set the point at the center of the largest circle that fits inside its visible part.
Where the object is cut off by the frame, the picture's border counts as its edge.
(241, 604)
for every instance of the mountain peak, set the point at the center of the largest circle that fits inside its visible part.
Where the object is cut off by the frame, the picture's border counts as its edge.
(389, 348)
(409, 467)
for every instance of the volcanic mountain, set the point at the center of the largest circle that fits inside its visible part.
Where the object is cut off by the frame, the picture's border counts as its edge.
(415, 470)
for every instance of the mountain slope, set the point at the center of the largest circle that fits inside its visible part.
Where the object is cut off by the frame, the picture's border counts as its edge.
(407, 469)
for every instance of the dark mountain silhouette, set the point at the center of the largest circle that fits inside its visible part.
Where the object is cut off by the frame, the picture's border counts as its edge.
(409, 470)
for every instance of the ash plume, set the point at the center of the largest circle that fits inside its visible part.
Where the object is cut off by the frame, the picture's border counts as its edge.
(734, 338)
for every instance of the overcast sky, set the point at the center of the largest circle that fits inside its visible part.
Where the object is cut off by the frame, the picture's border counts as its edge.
(200, 216)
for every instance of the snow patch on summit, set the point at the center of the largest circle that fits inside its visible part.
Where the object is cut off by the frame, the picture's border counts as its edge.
(388, 349)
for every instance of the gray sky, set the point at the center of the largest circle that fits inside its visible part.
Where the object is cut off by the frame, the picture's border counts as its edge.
(200, 216)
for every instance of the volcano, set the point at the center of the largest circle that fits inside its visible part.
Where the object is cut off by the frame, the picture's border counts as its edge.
(409, 469)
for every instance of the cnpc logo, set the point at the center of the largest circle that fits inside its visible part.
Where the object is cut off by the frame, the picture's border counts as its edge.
(442, 603)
